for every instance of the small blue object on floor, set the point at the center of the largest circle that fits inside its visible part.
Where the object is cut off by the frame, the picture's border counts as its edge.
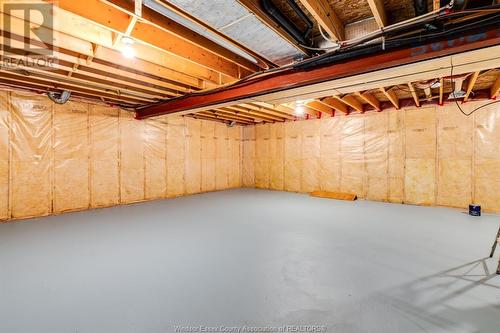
(475, 210)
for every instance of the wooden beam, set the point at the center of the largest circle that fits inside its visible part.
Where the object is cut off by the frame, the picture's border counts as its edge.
(234, 115)
(370, 99)
(436, 4)
(441, 91)
(97, 41)
(108, 77)
(237, 114)
(378, 10)
(352, 102)
(168, 36)
(320, 107)
(215, 118)
(267, 111)
(45, 85)
(336, 104)
(251, 112)
(470, 85)
(391, 96)
(326, 17)
(414, 94)
(287, 110)
(217, 115)
(495, 88)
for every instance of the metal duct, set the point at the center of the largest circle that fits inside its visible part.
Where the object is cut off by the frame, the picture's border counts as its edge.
(285, 23)
(61, 98)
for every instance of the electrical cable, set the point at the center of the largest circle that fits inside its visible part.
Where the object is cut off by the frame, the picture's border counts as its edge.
(458, 105)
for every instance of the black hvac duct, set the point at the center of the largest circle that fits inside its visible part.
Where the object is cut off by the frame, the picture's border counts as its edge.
(59, 98)
(301, 37)
(421, 7)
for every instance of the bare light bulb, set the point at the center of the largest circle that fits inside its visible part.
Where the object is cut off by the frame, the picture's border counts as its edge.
(128, 49)
(299, 108)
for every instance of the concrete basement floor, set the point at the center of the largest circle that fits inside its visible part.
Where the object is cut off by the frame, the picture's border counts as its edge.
(251, 257)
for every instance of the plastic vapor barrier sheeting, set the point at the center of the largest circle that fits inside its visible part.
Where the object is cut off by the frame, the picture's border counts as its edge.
(248, 156)
(423, 156)
(77, 156)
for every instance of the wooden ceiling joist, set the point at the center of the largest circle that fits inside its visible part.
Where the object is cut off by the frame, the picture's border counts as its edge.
(74, 82)
(78, 50)
(253, 114)
(441, 91)
(379, 13)
(470, 85)
(320, 107)
(215, 118)
(228, 116)
(414, 93)
(326, 17)
(104, 80)
(236, 115)
(265, 111)
(61, 84)
(44, 87)
(495, 89)
(336, 104)
(170, 37)
(352, 102)
(370, 99)
(391, 96)
(286, 110)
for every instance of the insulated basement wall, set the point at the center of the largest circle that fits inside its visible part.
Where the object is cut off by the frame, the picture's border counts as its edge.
(78, 156)
(423, 156)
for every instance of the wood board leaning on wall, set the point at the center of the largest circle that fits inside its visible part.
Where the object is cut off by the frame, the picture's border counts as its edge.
(77, 156)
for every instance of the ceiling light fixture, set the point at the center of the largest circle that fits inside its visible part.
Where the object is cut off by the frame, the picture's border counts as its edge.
(299, 108)
(128, 49)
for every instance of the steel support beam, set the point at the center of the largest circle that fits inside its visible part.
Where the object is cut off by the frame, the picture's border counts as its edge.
(293, 78)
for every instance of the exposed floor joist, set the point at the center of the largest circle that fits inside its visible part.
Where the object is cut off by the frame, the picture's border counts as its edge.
(414, 93)
(378, 10)
(177, 40)
(326, 17)
(470, 85)
(495, 89)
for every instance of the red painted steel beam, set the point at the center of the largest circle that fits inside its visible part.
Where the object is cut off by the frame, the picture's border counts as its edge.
(296, 78)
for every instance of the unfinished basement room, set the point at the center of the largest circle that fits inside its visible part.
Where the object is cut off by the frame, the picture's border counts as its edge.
(241, 166)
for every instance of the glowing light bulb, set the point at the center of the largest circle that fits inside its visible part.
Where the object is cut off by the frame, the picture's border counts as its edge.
(299, 108)
(128, 49)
